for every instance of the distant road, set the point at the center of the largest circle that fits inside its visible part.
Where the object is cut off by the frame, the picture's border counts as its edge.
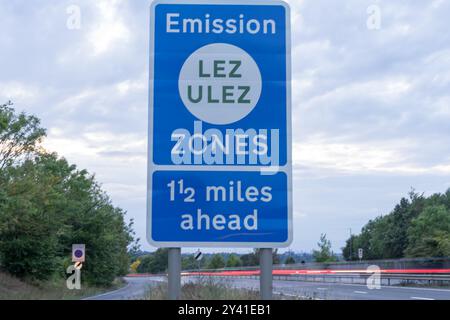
(138, 286)
(337, 291)
(135, 289)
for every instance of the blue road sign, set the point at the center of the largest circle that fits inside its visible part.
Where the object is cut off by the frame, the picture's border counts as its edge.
(220, 124)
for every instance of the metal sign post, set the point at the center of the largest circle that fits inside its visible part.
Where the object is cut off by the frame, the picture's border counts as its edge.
(266, 276)
(360, 253)
(174, 275)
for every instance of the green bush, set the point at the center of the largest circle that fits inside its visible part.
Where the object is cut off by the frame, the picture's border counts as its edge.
(46, 205)
(417, 227)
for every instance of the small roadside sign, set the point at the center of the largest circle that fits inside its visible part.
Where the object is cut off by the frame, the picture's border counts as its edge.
(198, 255)
(78, 253)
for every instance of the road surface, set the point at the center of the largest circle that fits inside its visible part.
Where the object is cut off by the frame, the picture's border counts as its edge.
(137, 287)
(337, 291)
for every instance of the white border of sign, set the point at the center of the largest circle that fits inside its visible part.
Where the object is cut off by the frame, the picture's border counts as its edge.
(151, 167)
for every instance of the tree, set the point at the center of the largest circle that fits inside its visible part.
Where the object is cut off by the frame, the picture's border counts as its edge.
(233, 261)
(134, 248)
(20, 135)
(249, 260)
(373, 240)
(29, 223)
(252, 259)
(398, 234)
(290, 260)
(394, 237)
(216, 262)
(46, 205)
(349, 250)
(189, 263)
(161, 257)
(429, 233)
(275, 256)
(324, 254)
(135, 265)
(154, 263)
(146, 265)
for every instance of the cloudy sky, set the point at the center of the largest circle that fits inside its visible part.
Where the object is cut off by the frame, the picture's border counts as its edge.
(371, 104)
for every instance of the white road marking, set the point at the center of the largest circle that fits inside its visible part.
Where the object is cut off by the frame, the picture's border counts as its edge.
(360, 292)
(417, 288)
(294, 295)
(384, 287)
(286, 294)
(420, 298)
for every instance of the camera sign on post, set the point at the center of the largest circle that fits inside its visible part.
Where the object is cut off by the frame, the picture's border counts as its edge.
(220, 169)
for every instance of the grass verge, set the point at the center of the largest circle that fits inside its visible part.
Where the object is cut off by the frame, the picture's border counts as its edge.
(14, 289)
(210, 289)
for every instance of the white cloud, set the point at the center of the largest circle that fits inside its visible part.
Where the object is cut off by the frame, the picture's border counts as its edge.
(18, 92)
(96, 143)
(360, 158)
(129, 86)
(382, 89)
(356, 157)
(110, 28)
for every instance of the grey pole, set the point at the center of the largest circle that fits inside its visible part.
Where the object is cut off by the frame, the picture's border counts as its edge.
(351, 244)
(266, 278)
(174, 273)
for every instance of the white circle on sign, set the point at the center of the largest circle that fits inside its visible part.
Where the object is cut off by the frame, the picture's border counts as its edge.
(220, 84)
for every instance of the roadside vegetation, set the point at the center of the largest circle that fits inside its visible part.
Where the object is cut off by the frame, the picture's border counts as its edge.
(418, 227)
(156, 262)
(12, 288)
(48, 204)
(204, 288)
(209, 288)
(324, 254)
(203, 291)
